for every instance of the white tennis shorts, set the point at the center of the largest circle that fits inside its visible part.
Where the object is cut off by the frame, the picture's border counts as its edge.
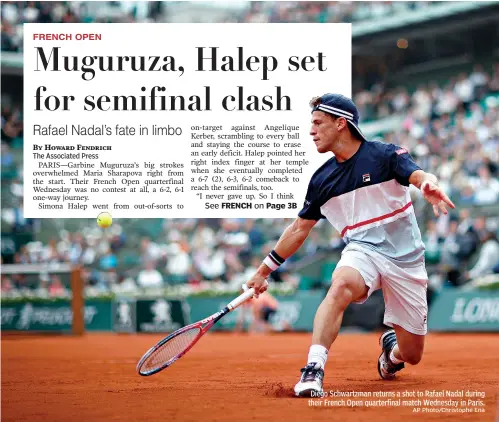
(404, 289)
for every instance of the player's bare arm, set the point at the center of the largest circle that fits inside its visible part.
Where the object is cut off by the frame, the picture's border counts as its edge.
(289, 242)
(428, 184)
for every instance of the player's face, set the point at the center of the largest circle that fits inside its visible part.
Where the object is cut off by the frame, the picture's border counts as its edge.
(324, 131)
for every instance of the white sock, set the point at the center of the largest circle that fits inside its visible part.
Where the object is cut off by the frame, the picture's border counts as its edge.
(317, 354)
(394, 359)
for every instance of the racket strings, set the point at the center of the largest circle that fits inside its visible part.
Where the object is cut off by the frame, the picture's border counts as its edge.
(170, 350)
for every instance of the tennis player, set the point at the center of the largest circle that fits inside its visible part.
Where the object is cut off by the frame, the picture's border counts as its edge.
(363, 191)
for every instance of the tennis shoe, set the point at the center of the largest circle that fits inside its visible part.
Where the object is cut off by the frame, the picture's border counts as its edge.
(386, 368)
(310, 384)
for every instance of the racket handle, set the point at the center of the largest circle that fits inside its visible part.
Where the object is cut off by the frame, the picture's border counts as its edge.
(241, 299)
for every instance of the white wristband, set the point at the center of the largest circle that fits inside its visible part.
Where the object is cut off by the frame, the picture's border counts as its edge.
(271, 264)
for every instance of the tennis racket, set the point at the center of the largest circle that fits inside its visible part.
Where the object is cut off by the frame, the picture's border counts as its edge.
(178, 343)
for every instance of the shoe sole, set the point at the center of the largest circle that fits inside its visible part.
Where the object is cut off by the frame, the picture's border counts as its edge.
(379, 370)
(382, 337)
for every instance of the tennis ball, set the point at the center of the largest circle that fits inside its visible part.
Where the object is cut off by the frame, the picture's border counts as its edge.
(104, 220)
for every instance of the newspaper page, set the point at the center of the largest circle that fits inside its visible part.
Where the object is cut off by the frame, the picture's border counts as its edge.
(152, 168)
(137, 118)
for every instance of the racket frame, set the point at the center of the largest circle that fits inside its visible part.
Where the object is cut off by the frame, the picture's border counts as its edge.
(207, 322)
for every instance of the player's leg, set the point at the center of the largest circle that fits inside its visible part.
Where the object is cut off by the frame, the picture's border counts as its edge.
(398, 348)
(354, 278)
(409, 347)
(406, 309)
(348, 286)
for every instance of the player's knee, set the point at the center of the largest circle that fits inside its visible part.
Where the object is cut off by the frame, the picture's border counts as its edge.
(341, 291)
(412, 357)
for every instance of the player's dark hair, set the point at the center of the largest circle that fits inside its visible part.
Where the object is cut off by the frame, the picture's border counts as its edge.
(314, 102)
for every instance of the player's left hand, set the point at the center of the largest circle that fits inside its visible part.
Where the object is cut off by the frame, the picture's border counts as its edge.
(436, 197)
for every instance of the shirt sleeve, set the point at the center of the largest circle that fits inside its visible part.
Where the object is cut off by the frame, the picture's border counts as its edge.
(402, 164)
(311, 208)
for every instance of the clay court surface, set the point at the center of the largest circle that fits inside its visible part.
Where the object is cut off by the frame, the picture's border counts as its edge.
(229, 377)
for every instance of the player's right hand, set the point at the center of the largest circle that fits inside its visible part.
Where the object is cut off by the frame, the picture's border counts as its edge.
(259, 283)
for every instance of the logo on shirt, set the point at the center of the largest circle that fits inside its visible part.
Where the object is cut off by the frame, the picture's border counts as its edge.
(366, 177)
(401, 151)
(307, 202)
